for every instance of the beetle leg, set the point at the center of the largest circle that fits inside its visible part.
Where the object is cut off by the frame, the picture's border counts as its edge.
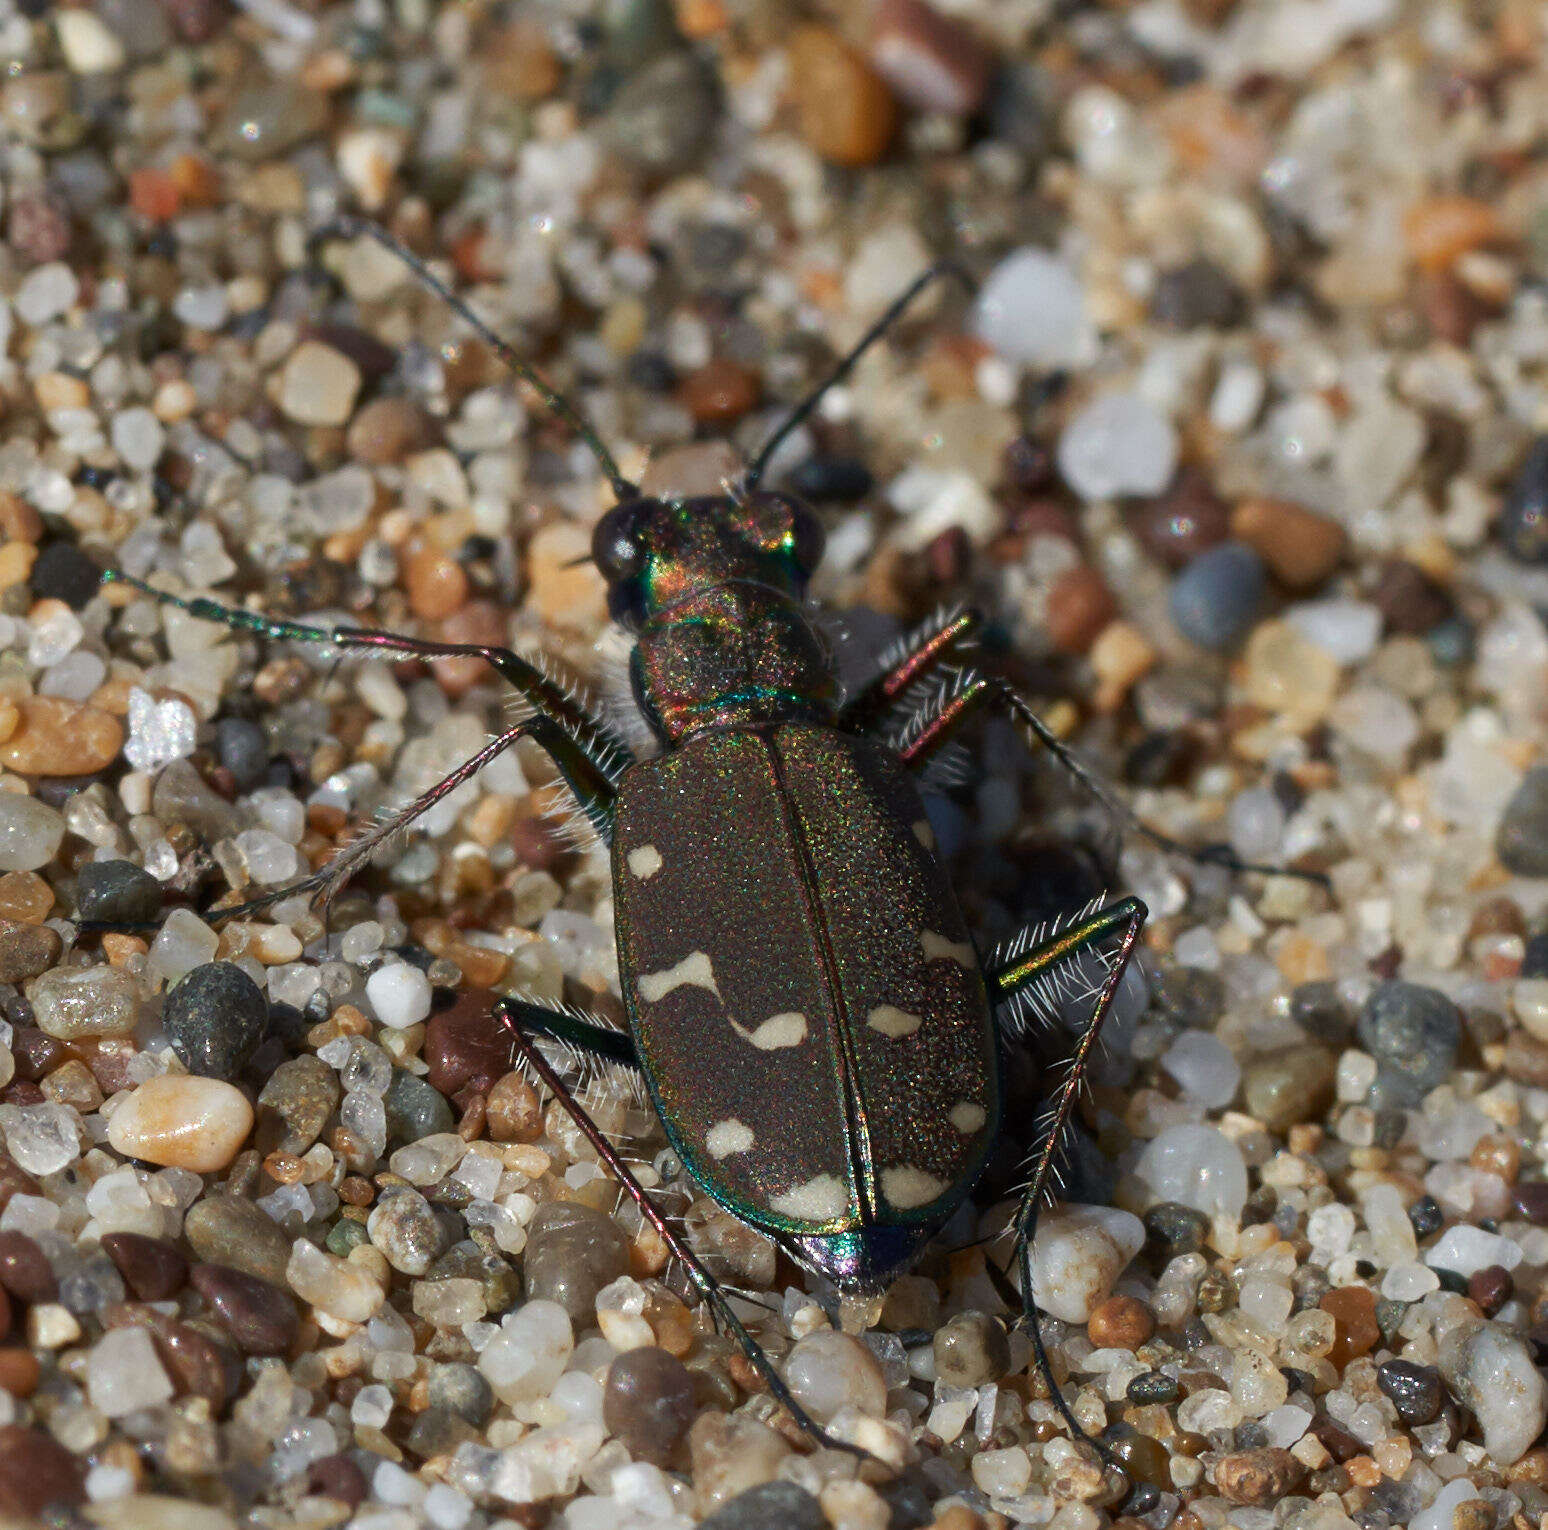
(546, 695)
(517, 1016)
(1122, 920)
(587, 1035)
(906, 664)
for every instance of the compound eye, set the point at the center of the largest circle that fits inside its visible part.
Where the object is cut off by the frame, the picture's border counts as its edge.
(616, 548)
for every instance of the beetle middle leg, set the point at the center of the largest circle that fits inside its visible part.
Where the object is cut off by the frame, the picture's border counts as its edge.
(1018, 973)
(522, 1018)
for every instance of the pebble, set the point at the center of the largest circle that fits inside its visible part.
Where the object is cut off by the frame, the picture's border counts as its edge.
(387, 430)
(24, 1270)
(1197, 294)
(1409, 602)
(1121, 1322)
(55, 737)
(1258, 1476)
(1491, 1287)
(339, 1287)
(26, 950)
(38, 1475)
(462, 1389)
(242, 748)
(1078, 1253)
(1117, 445)
(1301, 547)
(1356, 1331)
(302, 1092)
(933, 63)
(1449, 1510)
(529, 1353)
(828, 1370)
(1467, 1250)
(1175, 527)
(227, 1230)
(318, 385)
(1521, 842)
(125, 1373)
(662, 116)
(117, 892)
(1523, 518)
(648, 1403)
(404, 1227)
(85, 1003)
(1203, 1067)
(338, 1477)
(1031, 309)
(1197, 1166)
(513, 1111)
(1415, 1390)
(971, 1349)
(400, 995)
(769, 1506)
(1490, 1370)
(572, 1252)
(1290, 1085)
(30, 832)
(844, 109)
(216, 1017)
(260, 1318)
(1413, 1033)
(87, 44)
(152, 1268)
(1079, 606)
(415, 1109)
(184, 1122)
(1217, 598)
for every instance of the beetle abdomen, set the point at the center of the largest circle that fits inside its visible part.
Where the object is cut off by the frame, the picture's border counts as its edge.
(804, 996)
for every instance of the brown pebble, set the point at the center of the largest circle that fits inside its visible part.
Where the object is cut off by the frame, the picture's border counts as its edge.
(1530, 1202)
(55, 737)
(19, 521)
(513, 1111)
(1301, 547)
(337, 1477)
(1408, 601)
(26, 950)
(260, 1318)
(719, 392)
(152, 1268)
(649, 1403)
(1188, 519)
(466, 1045)
(1356, 1331)
(1526, 1060)
(477, 621)
(1079, 606)
(932, 62)
(388, 430)
(435, 582)
(1497, 1154)
(25, 897)
(1440, 228)
(19, 1371)
(1121, 1322)
(844, 109)
(24, 1271)
(1258, 1476)
(197, 1364)
(1491, 1287)
(38, 228)
(37, 1474)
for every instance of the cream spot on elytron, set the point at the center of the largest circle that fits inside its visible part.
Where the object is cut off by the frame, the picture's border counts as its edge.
(905, 1187)
(786, 1030)
(967, 1117)
(727, 1137)
(893, 1022)
(937, 947)
(693, 971)
(645, 861)
(923, 833)
(818, 1200)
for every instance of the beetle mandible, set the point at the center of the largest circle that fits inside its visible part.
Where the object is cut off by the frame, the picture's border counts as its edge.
(805, 1003)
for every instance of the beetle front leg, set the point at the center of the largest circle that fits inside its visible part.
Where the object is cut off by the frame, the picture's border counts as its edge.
(918, 655)
(1018, 973)
(519, 1019)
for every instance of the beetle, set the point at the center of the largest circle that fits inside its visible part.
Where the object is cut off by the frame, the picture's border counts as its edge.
(818, 1032)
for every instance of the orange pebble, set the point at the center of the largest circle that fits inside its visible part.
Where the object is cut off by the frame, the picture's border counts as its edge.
(436, 584)
(1439, 229)
(153, 194)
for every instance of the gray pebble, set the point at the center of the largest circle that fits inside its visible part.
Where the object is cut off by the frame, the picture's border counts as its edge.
(404, 1226)
(663, 116)
(1523, 519)
(438, 1432)
(303, 1093)
(117, 892)
(1216, 599)
(216, 1016)
(462, 1388)
(243, 749)
(1196, 294)
(226, 1230)
(572, 1252)
(1413, 1034)
(415, 1109)
(1289, 1085)
(1521, 841)
(769, 1506)
(649, 1403)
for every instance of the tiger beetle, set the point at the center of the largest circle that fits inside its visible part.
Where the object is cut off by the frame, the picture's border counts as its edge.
(820, 1035)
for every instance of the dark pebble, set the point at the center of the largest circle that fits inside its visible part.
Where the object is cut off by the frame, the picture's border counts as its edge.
(832, 480)
(1409, 602)
(1451, 642)
(769, 1506)
(971, 1349)
(1491, 1287)
(37, 1474)
(1197, 295)
(1022, 109)
(648, 1403)
(152, 1268)
(1177, 1228)
(1416, 1390)
(1426, 1216)
(1322, 1014)
(243, 749)
(461, 1388)
(438, 1432)
(26, 950)
(465, 1046)
(1188, 519)
(415, 1109)
(1534, 955)
(117, 892)
(197, 1364)
(1523, 521)
(260, 1318)
(1216, 599)
(1530, 1202)
(1413, 1033)
(64, 572)
(1153, 1387)
(1452, 1280)
(662, 116)
(24, 1270)
(572, 1252)
(1335, 1439)
(1521, 841)
(337, 1477)
(216, 1016)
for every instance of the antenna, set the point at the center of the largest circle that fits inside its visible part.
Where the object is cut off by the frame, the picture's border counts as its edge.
(348, 227)
(895, 311)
